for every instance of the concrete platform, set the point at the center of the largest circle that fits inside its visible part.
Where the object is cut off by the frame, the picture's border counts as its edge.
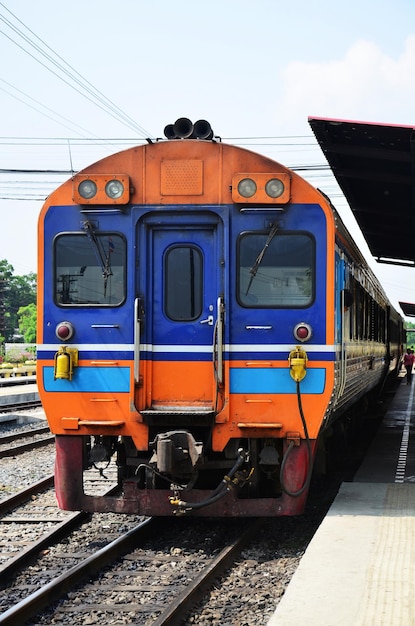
(27, 392)
(359, 569)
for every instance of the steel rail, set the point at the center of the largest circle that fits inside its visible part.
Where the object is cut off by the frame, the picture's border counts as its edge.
(24, 433)
(16, 564)
(11, 567)
(25, 447)
(25, 494)
(182, 604)
(20, 406)
(26, 609)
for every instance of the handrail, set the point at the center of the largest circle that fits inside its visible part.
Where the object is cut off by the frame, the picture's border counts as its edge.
(218, 339)
(137, 329)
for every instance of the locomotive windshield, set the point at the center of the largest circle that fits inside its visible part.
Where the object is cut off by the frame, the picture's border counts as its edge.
(284, 276)
(88, 273)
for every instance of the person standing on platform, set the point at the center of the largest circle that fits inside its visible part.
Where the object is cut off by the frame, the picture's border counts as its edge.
(408, 361)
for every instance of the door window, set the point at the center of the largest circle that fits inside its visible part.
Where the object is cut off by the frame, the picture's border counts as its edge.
(183, 288)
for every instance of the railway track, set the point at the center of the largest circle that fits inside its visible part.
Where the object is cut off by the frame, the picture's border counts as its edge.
(31, 525)
(31, 512)
(20, 406)
(24, 441)
(116, 569)
(106, 568)
(171, 591)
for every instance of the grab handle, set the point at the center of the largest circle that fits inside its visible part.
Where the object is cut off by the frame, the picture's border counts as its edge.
(137, 329)
(218, 341)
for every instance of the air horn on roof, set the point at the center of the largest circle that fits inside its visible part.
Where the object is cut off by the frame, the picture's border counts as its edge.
(183, 128)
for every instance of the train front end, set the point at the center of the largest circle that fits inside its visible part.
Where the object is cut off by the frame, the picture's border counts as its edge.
(186, 330)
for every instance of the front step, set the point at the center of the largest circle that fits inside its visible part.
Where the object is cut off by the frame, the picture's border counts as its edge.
(182, 415)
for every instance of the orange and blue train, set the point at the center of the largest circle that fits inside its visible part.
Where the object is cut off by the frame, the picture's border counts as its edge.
(204, 320)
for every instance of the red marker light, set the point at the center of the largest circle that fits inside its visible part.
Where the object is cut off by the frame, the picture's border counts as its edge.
(302, 332)
(64, 331)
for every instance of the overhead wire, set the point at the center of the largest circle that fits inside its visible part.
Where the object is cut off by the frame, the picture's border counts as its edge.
(45, 107)
(87, 90)
(95, 95)
(311, 170)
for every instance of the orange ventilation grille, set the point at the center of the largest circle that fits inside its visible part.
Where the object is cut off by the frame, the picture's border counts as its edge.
(181, 178)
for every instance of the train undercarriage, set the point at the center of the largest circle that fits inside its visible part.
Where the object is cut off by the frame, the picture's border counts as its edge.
(180, 475)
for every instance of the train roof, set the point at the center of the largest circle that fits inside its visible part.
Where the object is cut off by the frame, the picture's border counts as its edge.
(374, 165)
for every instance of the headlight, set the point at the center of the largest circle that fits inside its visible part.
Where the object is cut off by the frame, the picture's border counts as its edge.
(274, 188)
(87, 189)
(247, 187)
(114, 189)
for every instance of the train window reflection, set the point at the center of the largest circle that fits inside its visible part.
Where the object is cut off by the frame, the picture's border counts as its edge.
(90, 271)
(183, 283)
(276, 271)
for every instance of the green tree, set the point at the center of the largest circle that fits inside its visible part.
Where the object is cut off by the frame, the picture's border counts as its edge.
(6, 273)
(410, 336)
(17, 291)
(27, 322)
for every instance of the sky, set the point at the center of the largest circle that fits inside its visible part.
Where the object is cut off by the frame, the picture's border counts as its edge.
(255, 70)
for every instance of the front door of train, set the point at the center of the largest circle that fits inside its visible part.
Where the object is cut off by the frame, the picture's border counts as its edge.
(182, 311)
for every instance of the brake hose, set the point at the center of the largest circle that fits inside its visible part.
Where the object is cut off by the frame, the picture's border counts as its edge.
(227, 483)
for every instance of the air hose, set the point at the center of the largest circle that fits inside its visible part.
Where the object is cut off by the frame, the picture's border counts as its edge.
(227, 483)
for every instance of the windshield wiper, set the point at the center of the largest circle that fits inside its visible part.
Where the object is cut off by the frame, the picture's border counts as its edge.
(103, 259)
(260, 256)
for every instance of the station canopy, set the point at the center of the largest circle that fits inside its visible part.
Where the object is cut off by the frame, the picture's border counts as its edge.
(408, 309)
(374, 165)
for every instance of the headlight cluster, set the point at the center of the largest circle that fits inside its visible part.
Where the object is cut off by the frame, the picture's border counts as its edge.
(261, 188)
(101, 189)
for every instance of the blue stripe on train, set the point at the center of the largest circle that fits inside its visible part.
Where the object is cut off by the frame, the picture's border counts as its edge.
(275, 380)
(90, 379)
